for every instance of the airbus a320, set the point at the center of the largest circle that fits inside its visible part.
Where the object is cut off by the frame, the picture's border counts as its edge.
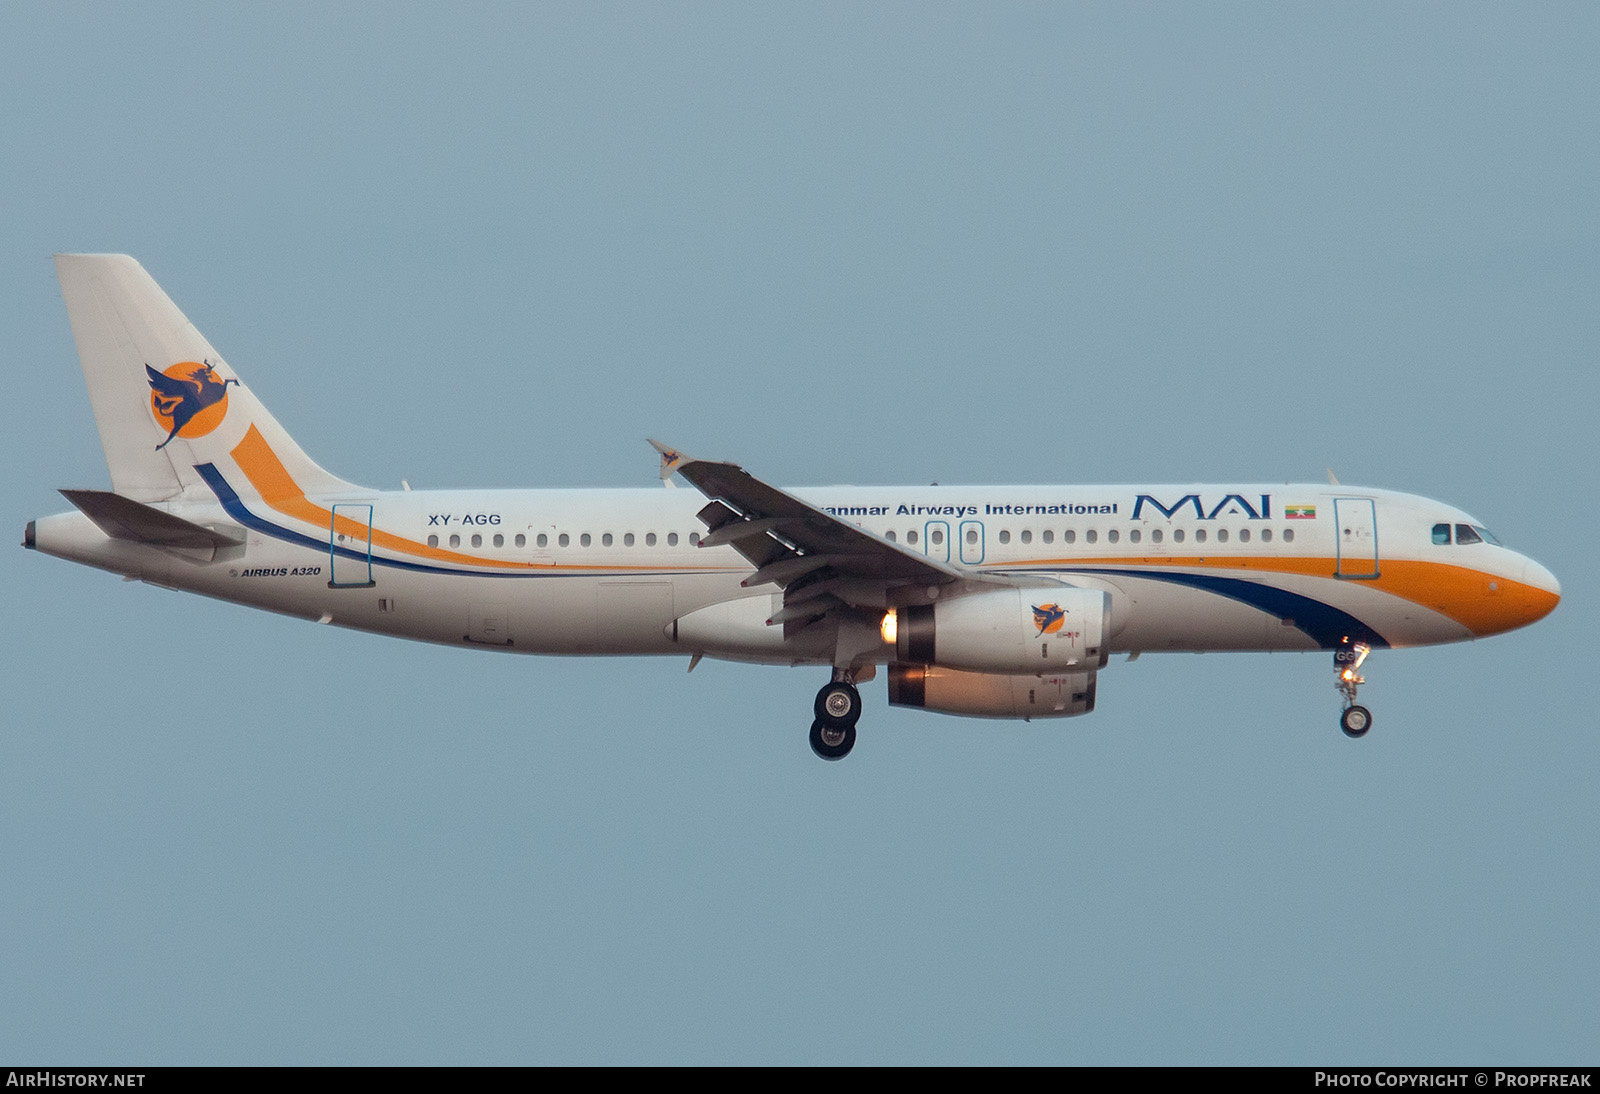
(981, 601)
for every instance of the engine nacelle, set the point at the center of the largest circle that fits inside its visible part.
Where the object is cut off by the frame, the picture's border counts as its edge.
(986, 695)
(1008, 631)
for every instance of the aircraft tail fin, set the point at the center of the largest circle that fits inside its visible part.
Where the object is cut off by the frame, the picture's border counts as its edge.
(166, 403)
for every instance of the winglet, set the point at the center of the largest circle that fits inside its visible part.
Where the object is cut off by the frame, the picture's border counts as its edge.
(671, 459)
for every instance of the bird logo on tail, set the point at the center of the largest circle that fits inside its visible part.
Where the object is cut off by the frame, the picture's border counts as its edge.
(188, 399)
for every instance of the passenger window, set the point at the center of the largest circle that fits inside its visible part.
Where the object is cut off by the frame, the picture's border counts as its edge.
(455, 541)
(649, 539)
(694, 539)
(1199, 535)
(1244, 535)
(585, 540)
(499, 540)
(1134, 536)
(1091, 535)
(605, 540)
(543, 540)
(889, 535)
(1266, 535)
(911, 538)
(477, 540)
(1005, 537)
(936, 536)
(1027, 536)
(522, 540)
(672, 539)
(565, 540)
(1113, 535)
(1288, 535)
(1465, 535)
(1441, 535)
(1155, 535)
(1222, 535)
(972, 537)
(627, 540)
(1177, 535)
(433, 541)
(1070, 536)
(1047, 535)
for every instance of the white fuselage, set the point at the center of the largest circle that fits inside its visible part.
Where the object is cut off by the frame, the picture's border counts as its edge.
(1286, 567)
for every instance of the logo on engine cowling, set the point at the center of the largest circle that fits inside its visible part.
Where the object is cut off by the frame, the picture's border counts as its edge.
(1048, 618)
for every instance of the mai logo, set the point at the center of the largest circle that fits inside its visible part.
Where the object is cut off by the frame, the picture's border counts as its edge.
(1048, 618)
(188, 399)
(1232, 505)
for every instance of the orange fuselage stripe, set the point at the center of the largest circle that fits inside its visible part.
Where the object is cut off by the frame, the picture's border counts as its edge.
(1484, 603)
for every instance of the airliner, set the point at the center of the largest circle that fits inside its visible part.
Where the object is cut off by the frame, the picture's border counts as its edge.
(981, 601)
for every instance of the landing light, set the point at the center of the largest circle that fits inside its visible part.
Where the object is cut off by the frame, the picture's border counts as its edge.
(890, 627)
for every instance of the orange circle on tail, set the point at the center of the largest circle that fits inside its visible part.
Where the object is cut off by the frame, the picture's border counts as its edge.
(200, 377)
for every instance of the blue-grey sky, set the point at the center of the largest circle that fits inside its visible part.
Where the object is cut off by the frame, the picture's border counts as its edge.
(498, 245)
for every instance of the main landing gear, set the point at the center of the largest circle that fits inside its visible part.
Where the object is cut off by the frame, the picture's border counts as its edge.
(1356, 719)
(838, 709)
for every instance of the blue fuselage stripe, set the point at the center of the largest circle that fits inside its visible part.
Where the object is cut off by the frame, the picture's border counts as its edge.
(1324, 624)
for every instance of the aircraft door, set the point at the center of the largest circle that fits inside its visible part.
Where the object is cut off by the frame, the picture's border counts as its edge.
(971, 542)
(350, 547)
(936, 540)
(1357, 528)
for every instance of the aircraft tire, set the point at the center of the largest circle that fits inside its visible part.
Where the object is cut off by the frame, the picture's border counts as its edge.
(838, 704)
(1355, 721)
(832, 742)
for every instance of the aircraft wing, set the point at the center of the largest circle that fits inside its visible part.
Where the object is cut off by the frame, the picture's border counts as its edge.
(815, 557)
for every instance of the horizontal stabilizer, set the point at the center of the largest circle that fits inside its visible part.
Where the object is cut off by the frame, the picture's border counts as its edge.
(124, 518)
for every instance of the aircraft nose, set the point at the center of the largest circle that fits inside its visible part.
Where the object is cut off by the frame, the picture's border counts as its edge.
(1523, 593)
(1544, 581)
(1528, 600)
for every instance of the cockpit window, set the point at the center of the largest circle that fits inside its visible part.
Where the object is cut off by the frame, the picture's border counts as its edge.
(1465, 535)
(1488, 536)
(1441, 534)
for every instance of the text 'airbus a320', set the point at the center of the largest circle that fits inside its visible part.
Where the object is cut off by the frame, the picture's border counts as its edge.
(985, 601)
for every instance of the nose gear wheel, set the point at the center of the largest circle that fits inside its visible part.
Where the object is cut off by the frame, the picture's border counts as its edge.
(1347, 659)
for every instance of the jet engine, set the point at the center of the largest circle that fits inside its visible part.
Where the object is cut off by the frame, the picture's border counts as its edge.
(987, 695)
(1009, 631)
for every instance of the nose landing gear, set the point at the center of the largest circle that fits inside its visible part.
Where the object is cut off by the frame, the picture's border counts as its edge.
(838, 709)
(1356, 719)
